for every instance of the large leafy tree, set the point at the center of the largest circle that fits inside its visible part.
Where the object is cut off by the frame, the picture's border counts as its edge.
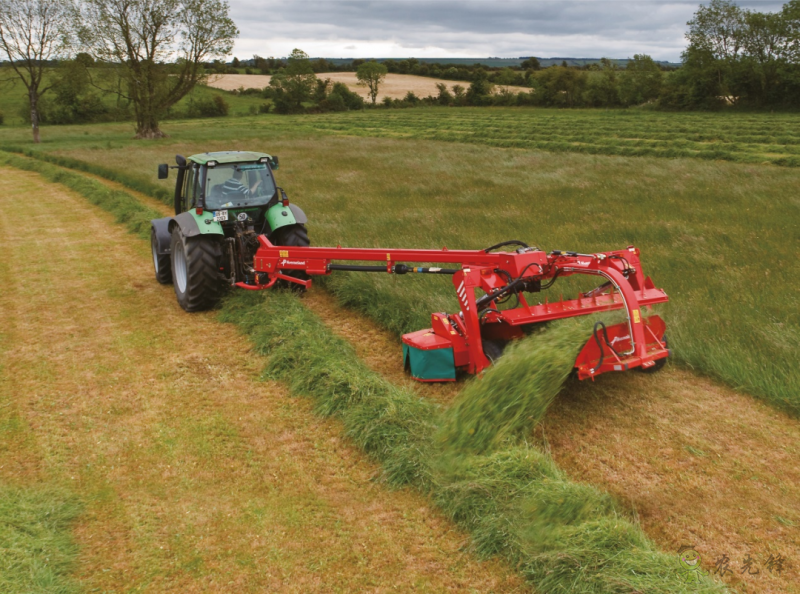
(753, 54)
(33, 33)
(371, 74)
(791, 21)
(293, 85)
(718, 30)
(158, 47)
(603, 88)
(560, 85)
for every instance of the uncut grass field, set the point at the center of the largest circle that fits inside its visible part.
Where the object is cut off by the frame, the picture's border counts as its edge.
(720, 237)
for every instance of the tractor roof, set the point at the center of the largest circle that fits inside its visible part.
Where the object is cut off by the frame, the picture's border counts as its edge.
(228, 157)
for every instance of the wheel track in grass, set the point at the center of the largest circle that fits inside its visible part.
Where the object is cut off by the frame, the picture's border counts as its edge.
(700, 463)
(195, 475)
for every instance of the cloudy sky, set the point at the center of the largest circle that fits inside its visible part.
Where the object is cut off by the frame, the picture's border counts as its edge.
(445, 28)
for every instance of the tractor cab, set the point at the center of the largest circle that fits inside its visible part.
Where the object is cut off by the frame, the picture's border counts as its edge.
(228, 185)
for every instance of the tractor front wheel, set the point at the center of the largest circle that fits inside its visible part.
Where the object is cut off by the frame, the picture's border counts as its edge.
(161, 262)
(195, 270)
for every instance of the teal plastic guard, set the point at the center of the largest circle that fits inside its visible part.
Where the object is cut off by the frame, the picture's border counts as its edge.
(435, 364)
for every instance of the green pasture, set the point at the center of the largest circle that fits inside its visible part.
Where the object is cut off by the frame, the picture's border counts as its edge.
(721, 238)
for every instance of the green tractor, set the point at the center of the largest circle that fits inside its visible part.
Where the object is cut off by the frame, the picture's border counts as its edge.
(223, 202)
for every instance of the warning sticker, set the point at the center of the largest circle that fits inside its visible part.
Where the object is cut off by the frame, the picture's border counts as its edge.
(636, 318)
(284, 253)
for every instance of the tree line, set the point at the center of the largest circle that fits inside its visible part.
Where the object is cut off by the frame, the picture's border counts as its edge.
(734, 57)
(740, 57)
(296, 88)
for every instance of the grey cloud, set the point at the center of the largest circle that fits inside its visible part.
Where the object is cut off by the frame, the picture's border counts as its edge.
(513, 27)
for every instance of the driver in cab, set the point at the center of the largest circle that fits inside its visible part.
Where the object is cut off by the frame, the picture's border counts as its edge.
(234, 188)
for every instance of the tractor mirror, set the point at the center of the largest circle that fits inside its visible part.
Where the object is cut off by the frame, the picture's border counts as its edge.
(274, 162)
(163, 171)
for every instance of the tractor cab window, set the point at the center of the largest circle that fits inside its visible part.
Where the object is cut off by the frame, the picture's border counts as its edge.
(189, 186)
(238, 185)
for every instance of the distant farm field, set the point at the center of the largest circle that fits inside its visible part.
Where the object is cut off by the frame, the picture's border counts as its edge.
(395, 86)
(748, 138)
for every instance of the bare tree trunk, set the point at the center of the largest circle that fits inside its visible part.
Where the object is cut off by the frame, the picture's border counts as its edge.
(34, 100)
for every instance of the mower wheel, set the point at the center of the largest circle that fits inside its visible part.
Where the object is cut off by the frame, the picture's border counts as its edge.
(292, 236)
(195, 270)
(493, 349)
(659, 364)
(161, 262)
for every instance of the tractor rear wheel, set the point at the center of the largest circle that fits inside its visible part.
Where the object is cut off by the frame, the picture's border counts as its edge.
(292, 236)
(195, 270)
(161, 262)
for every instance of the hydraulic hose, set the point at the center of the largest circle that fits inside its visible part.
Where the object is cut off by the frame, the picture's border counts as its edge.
(489, 297)
(600, 324)
(505, 243)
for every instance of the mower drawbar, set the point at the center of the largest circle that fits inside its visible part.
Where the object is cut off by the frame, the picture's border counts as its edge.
(472, 338)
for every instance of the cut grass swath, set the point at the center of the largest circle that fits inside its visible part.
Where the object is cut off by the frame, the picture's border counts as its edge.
(744, 138)
(514, 394)
(125, 208)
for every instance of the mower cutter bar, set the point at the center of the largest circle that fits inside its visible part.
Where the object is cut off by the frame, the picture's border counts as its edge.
(460, 339)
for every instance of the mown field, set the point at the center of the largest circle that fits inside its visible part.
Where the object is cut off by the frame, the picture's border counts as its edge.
(742, 137)
(719, 237)
(509, 495)
(144, 454)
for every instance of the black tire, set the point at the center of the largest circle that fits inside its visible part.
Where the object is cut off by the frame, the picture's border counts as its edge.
(195, 270)
(161, 262)
(659, 364)
(493, 349)
(292, 236)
